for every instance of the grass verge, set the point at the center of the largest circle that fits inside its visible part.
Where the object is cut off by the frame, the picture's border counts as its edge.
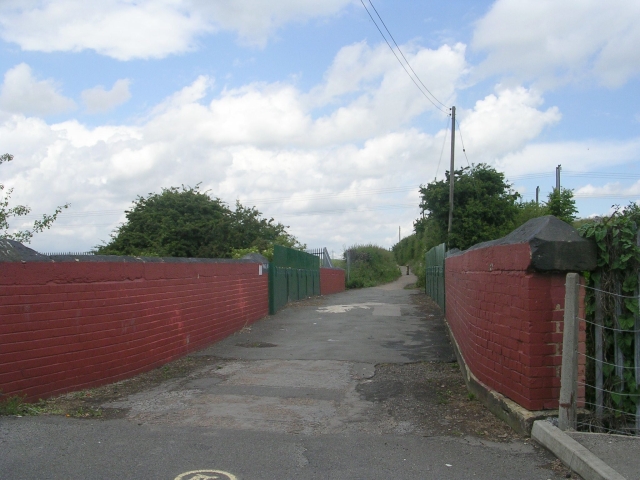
(370, 265)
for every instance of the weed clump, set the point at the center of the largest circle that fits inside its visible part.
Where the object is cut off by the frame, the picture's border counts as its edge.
(15, 405)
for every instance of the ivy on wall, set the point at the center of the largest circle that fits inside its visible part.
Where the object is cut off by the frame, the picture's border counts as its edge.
(612, 300)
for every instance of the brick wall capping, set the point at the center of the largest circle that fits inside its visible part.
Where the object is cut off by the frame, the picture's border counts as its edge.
(12, 251)
(256, 258)
(555, 245)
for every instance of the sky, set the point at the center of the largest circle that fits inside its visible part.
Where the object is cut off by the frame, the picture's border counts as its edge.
(301, 109)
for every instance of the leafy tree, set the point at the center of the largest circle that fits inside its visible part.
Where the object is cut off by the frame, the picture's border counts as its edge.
(7, 212)
(370, 265)
(527, 211)
(485, 206)
(562, 205)
(254, 234)
(184, 222)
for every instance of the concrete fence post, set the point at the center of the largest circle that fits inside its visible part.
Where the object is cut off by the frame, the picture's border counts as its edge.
(567, 415)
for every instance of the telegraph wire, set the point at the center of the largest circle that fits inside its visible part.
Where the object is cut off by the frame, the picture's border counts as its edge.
(464, 150)
(255, 201)
(604, 174)
(405, 58)
(400, 62)
(70, 215)
(444, 142)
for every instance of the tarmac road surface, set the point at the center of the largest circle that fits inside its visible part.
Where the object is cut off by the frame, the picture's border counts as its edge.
(292, 397)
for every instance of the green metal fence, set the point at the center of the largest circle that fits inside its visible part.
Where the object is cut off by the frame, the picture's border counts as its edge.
(293, 275)
(434, 262)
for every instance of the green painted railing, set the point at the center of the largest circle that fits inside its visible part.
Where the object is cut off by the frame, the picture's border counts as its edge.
(434, 261)
(293, 275)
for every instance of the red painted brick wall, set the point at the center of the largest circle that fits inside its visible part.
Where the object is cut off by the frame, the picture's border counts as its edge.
(67, 326)
(507, 321)
(331, 280)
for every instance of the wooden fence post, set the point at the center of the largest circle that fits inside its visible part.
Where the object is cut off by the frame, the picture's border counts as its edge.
(568, 417)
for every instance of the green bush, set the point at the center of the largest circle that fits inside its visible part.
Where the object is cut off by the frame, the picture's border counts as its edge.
(339, 263)
(189, 223)
(419, 269)
(370, 265)
(618, 256)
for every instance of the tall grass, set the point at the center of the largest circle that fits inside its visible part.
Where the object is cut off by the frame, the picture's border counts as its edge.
(370, 265)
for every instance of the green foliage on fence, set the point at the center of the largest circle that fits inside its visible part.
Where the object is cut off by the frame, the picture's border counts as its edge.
(370, 265)
(617, 276)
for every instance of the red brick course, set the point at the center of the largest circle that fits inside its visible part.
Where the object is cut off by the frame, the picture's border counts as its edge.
(331, 281)
(66, 326)
(507, 321)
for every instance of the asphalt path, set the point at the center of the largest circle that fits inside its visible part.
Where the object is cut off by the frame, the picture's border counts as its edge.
(283, 399)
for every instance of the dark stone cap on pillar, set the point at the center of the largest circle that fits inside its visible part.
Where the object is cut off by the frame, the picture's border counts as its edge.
(555, 245)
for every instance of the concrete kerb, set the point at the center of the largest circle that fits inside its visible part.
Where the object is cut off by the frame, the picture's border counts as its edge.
(569, 451)
(577, 457)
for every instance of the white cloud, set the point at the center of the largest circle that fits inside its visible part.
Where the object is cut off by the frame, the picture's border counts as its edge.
(22, 93)
(576, 156)
(608, 190)
(124, 30)
(256, 20)
(554, 41)
(99, 100)
(349, 172)
(359, 67)
(383, 94)
(117, 28)
(505, 122)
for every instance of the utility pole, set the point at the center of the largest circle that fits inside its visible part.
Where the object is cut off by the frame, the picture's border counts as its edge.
(558, 168)
(451, 168)
(537, 194)
(399, 234)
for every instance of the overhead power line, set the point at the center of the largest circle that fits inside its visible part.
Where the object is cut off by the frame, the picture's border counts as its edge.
(427, 96)
(606, 195)
(405, 58)
(444, 141)
(464, 150)
(70, 216)
(317, 196)
(254, 201)
(603, 174)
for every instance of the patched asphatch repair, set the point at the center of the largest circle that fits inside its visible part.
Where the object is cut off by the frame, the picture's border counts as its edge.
(379, 309)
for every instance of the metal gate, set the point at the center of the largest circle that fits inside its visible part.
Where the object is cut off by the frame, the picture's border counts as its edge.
(434, 287)
(293, 275)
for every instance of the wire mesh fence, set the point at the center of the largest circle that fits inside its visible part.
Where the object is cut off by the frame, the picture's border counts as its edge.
(612, 377)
